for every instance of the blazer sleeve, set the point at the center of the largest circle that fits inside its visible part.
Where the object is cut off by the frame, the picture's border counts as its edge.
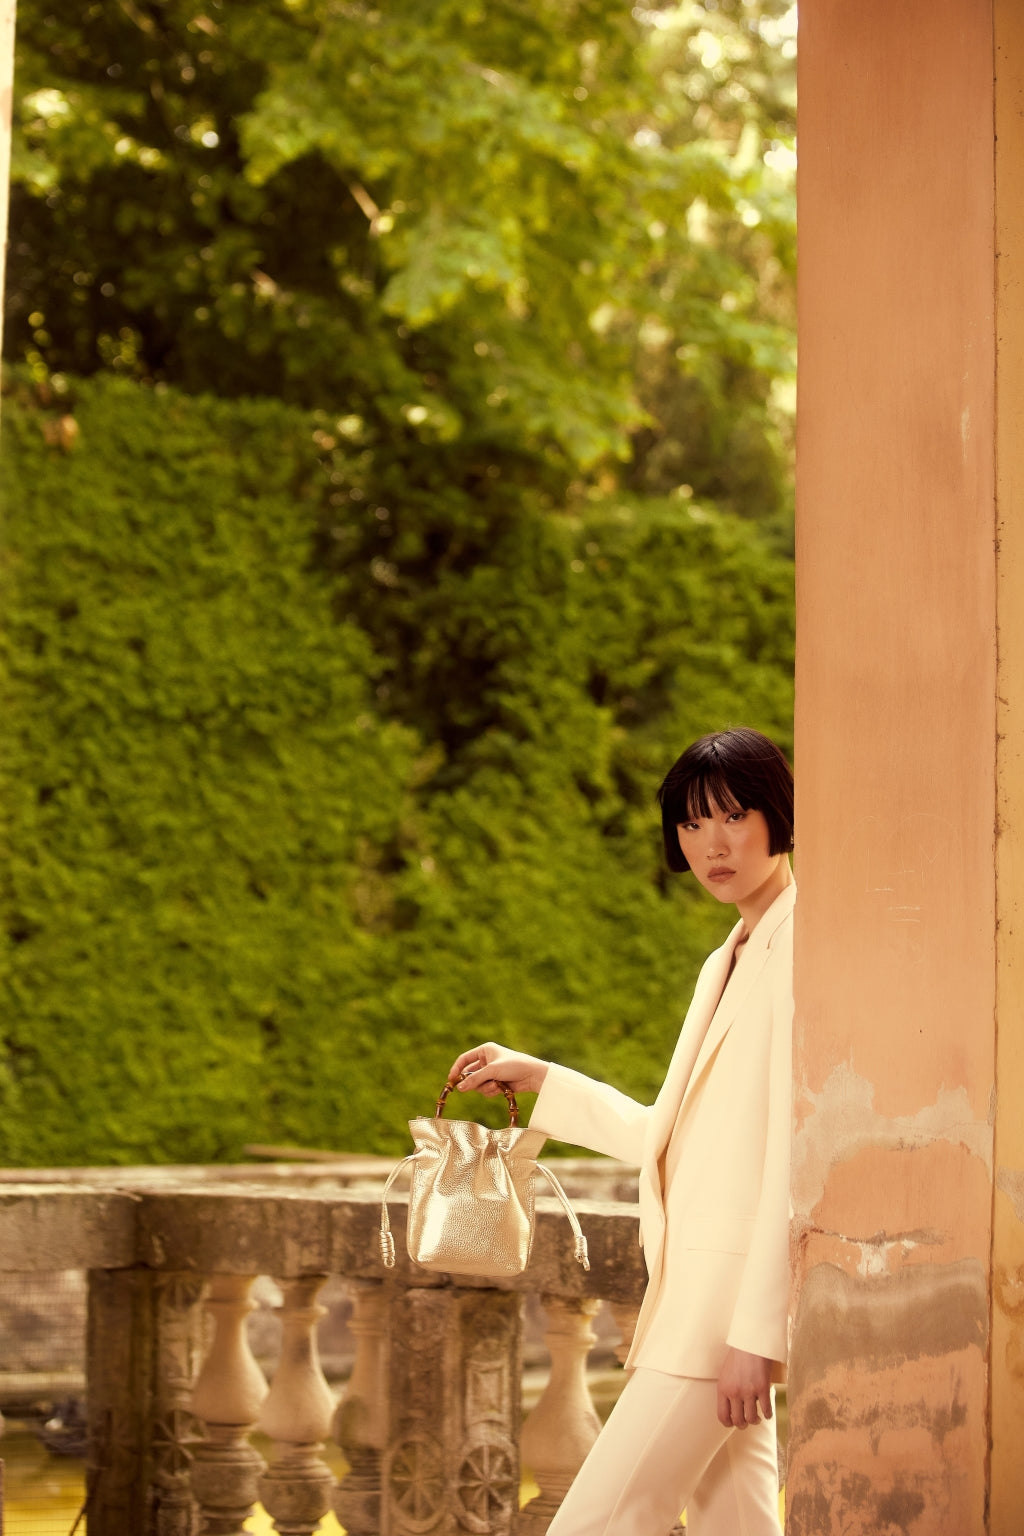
(575, 1108)
(760, 1320)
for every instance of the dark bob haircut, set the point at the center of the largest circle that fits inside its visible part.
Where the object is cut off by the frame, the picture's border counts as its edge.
(738, 769)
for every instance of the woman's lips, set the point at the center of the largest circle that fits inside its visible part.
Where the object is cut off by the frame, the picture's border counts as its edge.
(721, 874)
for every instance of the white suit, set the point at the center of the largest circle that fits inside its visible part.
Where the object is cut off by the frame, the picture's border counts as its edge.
(714, 1175)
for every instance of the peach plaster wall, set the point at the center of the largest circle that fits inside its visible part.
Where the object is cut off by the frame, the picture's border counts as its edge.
(896, 770)
(1007, 1359)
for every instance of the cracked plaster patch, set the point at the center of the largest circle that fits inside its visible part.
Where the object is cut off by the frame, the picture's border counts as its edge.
(842, 1120)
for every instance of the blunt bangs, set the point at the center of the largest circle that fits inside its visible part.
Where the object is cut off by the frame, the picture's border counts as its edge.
(738, 769)
(706, 791)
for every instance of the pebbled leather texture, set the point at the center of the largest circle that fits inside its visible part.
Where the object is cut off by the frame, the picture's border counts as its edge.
(471, 1205)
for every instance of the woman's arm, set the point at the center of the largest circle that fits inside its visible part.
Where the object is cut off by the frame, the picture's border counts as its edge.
(575, 1108)
(570, 1106)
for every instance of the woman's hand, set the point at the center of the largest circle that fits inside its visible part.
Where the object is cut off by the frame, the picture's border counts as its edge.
(744, 1387)
(489, 1068)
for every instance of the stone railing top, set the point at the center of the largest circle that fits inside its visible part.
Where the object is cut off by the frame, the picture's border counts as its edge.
(597, 1178)
(56, 1226)
(183, 1220)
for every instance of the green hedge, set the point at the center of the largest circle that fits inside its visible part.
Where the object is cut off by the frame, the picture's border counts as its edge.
(257, 890)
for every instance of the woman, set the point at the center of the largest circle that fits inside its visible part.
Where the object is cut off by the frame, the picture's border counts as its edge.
(694, 1424)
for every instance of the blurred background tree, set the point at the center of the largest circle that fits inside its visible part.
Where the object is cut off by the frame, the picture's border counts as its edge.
(515, 282)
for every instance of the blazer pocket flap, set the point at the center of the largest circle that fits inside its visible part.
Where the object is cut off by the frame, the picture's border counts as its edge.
(721, 1233)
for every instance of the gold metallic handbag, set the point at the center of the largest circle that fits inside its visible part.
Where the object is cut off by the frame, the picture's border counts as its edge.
(471, 1202)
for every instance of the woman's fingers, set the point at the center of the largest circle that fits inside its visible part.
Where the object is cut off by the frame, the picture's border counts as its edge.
(744, 1390)
(491, 1076)
(731, 1414)
(479, 1069)
(489, 1068)
(738, 1412)
(474, 1062)
(461, 1063)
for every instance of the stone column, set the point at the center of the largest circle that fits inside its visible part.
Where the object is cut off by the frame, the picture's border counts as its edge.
(229, 1393)
(361, 1419)
(296, 1487)
(626, 1315)
(452, 1461)
(906, 1375)
(142, 1348)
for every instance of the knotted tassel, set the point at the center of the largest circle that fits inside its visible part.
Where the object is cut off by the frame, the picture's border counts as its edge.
(387, 1242)
(580, 1252)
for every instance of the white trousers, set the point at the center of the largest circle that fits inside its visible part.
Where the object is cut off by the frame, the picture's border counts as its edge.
(663, 1450)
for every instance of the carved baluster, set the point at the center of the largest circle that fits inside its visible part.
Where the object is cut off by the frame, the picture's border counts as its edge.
(453, 1404)
(229, 1391)
(564, 1425)
(296, 1488)
(625, 1314)
(176, 1334)
(360, 1423)
(142, 1346)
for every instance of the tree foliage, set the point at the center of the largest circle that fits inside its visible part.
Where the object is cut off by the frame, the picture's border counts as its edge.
(241, 901)
(542, 227)
(396, 477)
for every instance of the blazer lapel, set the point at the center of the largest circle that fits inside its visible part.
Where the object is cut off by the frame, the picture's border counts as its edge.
(748, 967)
(696, 1026)
(707, 1021)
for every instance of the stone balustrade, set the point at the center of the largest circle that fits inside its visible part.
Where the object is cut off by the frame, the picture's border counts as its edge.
(429, 1421)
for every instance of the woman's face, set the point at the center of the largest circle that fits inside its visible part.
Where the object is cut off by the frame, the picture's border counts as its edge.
(728, 853)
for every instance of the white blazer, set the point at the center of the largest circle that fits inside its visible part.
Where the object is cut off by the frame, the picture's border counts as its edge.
(717, 1247)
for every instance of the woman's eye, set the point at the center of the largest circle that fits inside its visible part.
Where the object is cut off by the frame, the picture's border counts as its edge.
(736, 815)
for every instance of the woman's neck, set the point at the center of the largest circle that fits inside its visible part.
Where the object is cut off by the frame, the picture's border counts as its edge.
(753, 907)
